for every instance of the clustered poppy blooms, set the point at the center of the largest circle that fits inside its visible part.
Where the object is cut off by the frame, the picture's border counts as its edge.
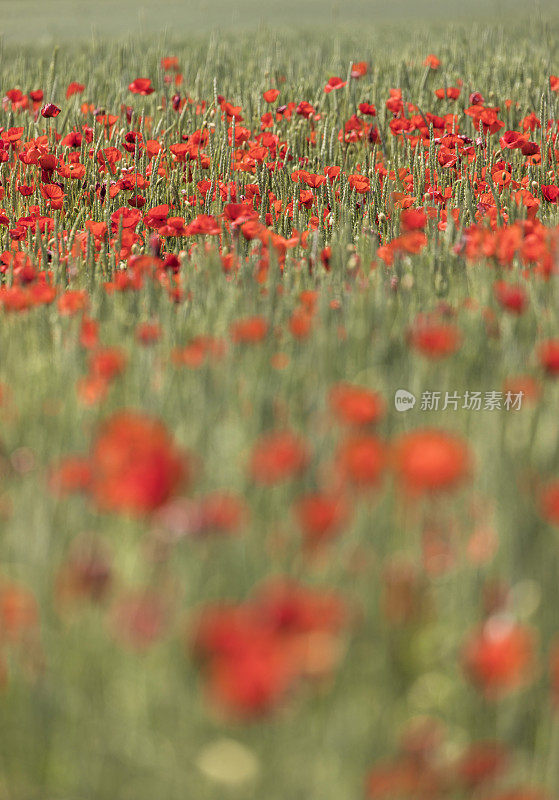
(238, 202)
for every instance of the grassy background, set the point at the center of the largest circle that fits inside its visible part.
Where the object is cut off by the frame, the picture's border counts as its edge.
(59, 20)
(104, 724)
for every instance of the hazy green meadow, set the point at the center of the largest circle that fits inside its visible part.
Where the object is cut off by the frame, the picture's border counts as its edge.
(230, 566)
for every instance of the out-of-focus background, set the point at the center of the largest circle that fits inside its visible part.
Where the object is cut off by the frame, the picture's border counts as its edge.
(46, 21)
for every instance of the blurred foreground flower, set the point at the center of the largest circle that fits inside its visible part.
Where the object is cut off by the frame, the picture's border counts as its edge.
(500, 656)
(256, 652)
(431, 460)
(134, 467)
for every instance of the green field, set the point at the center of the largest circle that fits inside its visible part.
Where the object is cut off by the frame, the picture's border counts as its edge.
(230, 566)
(55, 21)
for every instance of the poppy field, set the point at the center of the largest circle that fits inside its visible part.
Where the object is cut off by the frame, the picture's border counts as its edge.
(279, 429)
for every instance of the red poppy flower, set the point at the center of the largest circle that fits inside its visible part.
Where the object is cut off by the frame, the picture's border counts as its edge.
(254, 653)
(320, 516)
(51, 191)
(74, 88)
(249, 330)
(97, 229)
(413, 219)
(550, 193)
(148, 332)
(256, 680)
(271, 95)
(512, 298)
(367, 109)
(356, 405)
(334, 83)
(359, 69)
(512, 140)
(362, 460)
(50, 110)
(239, 213)
(89, 332)
(548, 354)
(72, 301)
(431, 460)
(500, 656)
(13, 134)
(527, 385)
(304, 109)
(277, 457)
(136, 467)
(360, 183)
(141, 86)
(71, 475)
(434, 339)
(125, 217)
(204, 224)
(19, 611)
(289, 608)
(170, 63)
(549, 502)
(432, 61)
(452, 92)
(107, 363)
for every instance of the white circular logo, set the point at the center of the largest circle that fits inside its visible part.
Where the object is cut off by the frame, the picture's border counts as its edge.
(404, 400)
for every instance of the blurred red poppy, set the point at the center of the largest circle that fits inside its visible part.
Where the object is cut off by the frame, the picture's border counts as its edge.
(321, 516)
(434, 339)
(500, 656)
(548, 353)
(362, 460)
(136, 467)
(74, 88)
(430, 460)
(277, 457)
(250, 329)
(356, 405)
